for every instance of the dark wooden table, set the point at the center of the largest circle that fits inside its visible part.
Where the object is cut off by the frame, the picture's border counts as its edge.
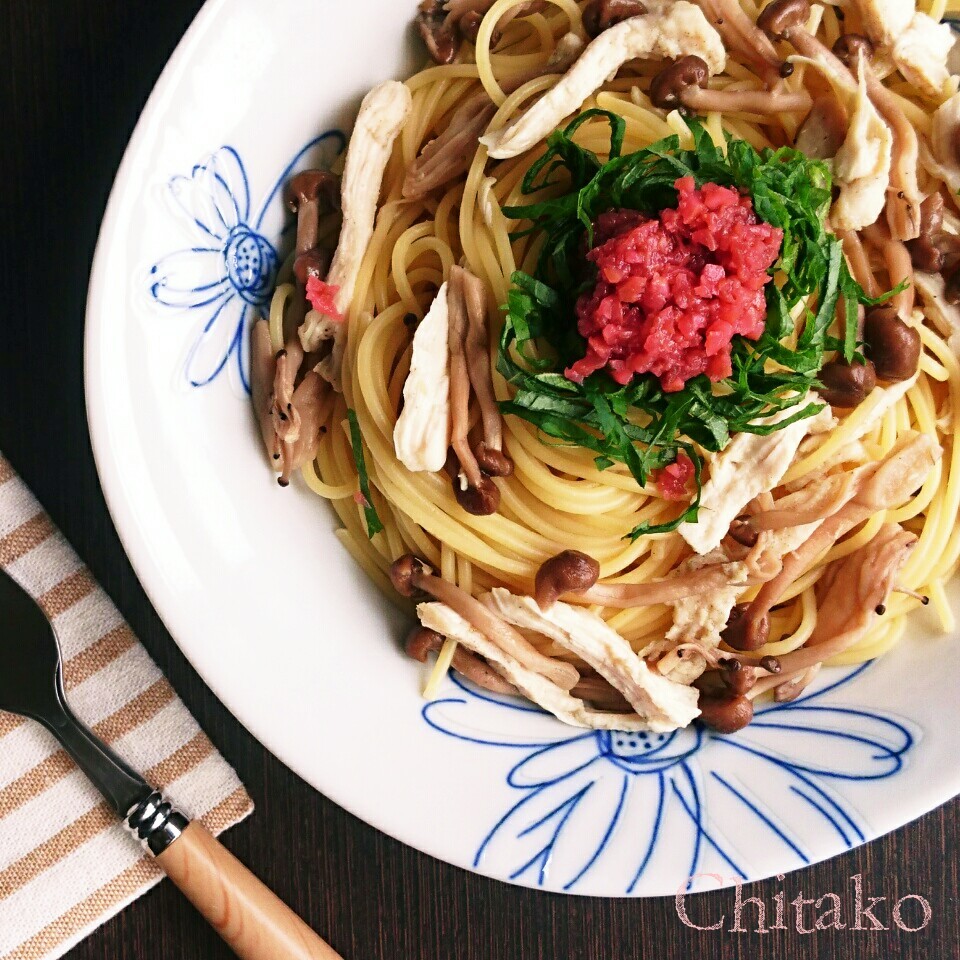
(75, 75)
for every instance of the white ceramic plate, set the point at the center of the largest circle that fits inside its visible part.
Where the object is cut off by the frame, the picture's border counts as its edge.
(272, 612)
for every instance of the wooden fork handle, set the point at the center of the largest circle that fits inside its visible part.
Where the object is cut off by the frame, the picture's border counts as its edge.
(253, 920)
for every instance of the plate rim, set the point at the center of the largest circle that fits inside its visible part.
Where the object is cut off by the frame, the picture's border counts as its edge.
(137, 551)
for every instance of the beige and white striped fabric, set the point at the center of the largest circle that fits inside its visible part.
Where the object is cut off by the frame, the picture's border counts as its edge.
(66, 865)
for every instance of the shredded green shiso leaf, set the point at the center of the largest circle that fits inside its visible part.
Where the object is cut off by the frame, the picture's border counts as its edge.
(374, 524)
(638, 424)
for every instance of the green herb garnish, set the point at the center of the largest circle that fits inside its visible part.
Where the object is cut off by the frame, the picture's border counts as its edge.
(374, 524)
(639, 424)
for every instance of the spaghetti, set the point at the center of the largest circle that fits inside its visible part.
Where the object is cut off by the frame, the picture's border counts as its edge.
(559, 497)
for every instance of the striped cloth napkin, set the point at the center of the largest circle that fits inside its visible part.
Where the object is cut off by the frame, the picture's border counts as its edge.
(66, 864)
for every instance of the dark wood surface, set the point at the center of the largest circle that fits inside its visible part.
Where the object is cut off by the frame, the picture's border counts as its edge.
(75, 75)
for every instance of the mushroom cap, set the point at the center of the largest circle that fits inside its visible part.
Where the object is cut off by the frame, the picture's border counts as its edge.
(951, 286)
(667, 87)
(849, 47)
(493, 462)
(727, 713)
(777, 19)
(314, 263)
(309, 185)
(744, 632)
(893, 346)
(737, 677)
(744, 532)
(480, 501)
(405, 574)
(568, 572)
(421, 641)
(598, 15)
(925, 254)
(846, 385)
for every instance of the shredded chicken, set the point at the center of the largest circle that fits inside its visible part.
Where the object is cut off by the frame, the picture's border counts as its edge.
(383, 112)
(944, 139)
(921, 52)
(666, 705)
(421, 436)
(903, 202)
(885, 20)
(678, 31)
(699, 620)
(881, 399)
(534, 686)
(750, 464)
(765, 559)
(862, 164)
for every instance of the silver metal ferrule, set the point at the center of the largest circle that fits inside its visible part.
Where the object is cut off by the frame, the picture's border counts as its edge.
(156, 823)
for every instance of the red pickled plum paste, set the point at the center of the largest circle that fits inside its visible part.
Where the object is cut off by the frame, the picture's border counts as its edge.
(673, 480)
(673, 290)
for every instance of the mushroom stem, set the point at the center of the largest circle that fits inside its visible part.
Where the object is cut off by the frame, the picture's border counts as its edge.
(771, 681)
(409, 572)
(745, 101)
(742, 36)
(460, 379)
(899, 265)
(906, 591)
(423, 641)
(290, 418)
(262, 369)
(286, 420)
(668, 590)
(859, 262)
(601, 694)
(303, 194)
(903, 206)
(477, 343)
(809, 504)
(851, 594)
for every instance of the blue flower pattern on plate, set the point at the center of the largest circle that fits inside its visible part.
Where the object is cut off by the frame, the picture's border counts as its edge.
(227, 274)
(641, 803)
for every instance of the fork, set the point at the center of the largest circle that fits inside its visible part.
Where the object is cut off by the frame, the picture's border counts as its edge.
(251, 918)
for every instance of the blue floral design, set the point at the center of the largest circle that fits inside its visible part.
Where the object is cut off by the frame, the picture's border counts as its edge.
(643, 803)
(227, 274)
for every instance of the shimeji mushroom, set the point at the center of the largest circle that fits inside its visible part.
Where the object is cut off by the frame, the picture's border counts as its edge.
(450, 154)
(880, 486)
(665, 34)
(410, 576)
(742, 37)
(684, 84)
(785, 20)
